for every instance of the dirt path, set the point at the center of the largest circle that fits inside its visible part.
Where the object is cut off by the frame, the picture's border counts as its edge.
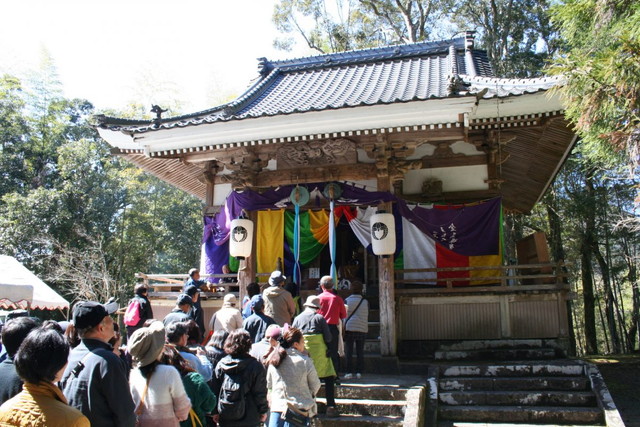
(622, 376)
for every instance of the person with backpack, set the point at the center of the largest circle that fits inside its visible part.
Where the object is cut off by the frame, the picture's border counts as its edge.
(138, 310)
(356, 328)
(241, 384)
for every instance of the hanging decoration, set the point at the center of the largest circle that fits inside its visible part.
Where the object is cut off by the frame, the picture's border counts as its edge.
(383, 233)
(299, 197)
(241, 238)
(332, 191)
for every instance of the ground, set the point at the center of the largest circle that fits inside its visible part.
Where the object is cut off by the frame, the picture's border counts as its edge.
(622, 376)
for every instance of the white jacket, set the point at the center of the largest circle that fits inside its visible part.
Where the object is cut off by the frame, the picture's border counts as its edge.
(359, 322)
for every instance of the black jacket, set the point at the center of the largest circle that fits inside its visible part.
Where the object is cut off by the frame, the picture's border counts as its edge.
(100, 390)
(10, 382)
(254, 377)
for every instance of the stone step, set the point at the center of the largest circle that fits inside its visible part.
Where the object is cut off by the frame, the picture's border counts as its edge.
(349, 420)
(513, 370)
(449, 423)
(522, 398)
(498, 354)
(497, 344)
(508, 384)
(393, 408)
(375, 364)
(522, 414)
(348, 390)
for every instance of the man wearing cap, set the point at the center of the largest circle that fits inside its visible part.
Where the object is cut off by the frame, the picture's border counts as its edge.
(95, 380)
(257, 323)
(278, 302)
(228, 317)
(196, 312)
(180, 312)
(333, 310)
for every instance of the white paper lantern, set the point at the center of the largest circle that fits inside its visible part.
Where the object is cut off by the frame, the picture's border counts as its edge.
(383, 233)
(241, 238)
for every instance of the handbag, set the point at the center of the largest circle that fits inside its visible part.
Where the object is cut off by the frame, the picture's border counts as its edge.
(141, 404)
(296, 416)
(194, 418)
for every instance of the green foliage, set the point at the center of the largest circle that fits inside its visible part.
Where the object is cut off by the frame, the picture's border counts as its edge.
(518, 36)
(340, 25)
(82, 219)
(601, 63)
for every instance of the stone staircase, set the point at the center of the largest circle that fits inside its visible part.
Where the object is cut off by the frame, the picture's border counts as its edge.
(376, 400)
(522, 382)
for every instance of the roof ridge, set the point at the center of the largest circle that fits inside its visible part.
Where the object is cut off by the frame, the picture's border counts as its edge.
(362, 55)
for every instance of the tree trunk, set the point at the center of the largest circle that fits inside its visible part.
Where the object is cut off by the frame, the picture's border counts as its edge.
(588, 298)
(558, 255)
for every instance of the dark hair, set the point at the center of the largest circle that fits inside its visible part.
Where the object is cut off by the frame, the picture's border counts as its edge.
(15, 331)
(147, 370)
(356, 287)
(175, 331)
(279, 353)
(41, 356)
(52, 324)
(71, 335)
(171, 356)
(253, 289)
(193, 330)
(238, 343)
(140, 289)
(218, 339)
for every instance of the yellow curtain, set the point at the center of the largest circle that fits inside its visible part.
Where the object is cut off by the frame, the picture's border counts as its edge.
(270, 240)
(319, 224)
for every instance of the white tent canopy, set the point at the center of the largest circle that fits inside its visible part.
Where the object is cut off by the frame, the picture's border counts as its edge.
(18, 285)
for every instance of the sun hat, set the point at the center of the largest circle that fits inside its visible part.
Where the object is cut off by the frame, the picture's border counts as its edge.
(229, 300)
(146, 344)
(276, 278)
(312, 301)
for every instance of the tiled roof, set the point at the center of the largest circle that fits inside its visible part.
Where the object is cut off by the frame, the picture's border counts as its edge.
(387, 75)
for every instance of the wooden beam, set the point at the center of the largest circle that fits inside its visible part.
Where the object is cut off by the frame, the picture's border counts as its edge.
(447, 162)
(360, 171)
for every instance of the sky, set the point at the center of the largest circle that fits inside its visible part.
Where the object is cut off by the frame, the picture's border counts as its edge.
(116, 52)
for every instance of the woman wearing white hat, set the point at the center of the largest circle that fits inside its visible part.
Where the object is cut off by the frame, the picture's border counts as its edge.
(228, 317)
(157, 389)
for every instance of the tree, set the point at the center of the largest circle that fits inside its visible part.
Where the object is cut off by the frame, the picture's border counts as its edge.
(342, 25)
(517, 35)
(600, 60)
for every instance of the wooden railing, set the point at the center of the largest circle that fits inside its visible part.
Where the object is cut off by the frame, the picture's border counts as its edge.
(169, 285)
(501, 275)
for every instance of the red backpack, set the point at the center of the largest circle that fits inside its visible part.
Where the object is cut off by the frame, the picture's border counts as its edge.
(132, 315)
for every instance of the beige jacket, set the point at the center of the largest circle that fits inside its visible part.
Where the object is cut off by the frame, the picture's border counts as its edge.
(279, 304)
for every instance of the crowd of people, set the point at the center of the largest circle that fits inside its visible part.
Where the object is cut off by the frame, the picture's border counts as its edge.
(263, 362)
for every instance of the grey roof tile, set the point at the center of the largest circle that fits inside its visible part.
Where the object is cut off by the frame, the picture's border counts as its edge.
(393, 74)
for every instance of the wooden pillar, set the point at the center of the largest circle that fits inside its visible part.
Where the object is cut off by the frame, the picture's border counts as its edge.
(247, 269)
(386, 282)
